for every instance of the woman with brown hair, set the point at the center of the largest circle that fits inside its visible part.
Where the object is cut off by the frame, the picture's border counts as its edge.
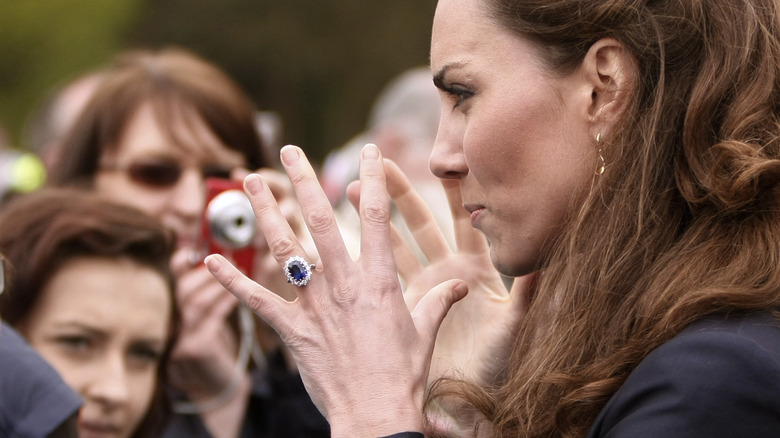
(159, 125)
(622, 158)
(91, 290)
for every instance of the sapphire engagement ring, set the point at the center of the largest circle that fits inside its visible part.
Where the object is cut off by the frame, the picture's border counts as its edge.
(298, 271)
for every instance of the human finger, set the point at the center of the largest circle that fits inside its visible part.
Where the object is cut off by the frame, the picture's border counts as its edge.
(283, 192)
(318, 215)
(374, 212)
(266, 304)
(239, 173)
(466, 237)
(430, 311)
(280, 185)
(416, 213)
(196, 286)
(183, 260)
(406, 262)
(281, 239)
(208, 298)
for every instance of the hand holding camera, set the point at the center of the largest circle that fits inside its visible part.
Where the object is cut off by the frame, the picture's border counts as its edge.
(228, 224)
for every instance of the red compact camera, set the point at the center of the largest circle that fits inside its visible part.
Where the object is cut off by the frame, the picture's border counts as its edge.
(228, 223)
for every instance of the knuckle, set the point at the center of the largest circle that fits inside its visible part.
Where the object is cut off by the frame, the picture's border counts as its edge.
(344, 294)
(376, 212)
(253, 301)
(385, 281)
(297, 178)
(282, 247)
(319, 220)
(231, 282)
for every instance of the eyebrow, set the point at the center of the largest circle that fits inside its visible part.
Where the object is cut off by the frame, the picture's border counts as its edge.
(68, 324)
(438, 78)
(100, 333)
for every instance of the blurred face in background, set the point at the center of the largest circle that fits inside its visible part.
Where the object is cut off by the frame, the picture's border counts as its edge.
(164, 177)
(103, 325)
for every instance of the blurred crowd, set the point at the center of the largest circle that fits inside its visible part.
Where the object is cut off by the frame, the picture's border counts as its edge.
(109, 208)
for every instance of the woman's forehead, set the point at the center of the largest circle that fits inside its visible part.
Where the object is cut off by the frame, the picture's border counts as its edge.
(175, 130)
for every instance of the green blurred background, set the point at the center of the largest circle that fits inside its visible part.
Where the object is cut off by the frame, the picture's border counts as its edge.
(317, 63)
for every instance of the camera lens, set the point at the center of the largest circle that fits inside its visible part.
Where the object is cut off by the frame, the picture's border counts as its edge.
(231, 219)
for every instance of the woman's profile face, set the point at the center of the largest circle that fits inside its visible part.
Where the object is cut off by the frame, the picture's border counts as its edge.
(103, 325)
(165, 179)
(516, 135)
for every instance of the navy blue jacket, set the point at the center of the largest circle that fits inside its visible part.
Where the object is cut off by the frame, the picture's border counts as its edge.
(720, 377)
(34, 400)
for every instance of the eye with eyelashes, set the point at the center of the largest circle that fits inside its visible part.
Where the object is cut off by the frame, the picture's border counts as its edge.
(143, 353)
(76, 344)
(140, 353)
(459, 92)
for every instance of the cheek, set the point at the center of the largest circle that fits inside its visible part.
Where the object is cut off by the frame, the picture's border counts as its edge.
(495, 146)
(143, 386)
(72, 373)
(152, 202)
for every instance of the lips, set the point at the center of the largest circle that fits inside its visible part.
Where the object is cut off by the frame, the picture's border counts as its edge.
(98, 429)
(476, 212)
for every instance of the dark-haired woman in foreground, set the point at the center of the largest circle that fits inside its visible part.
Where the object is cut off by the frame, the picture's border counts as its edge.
(623, 159)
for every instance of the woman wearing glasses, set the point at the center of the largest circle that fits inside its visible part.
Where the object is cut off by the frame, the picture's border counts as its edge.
(158, 126)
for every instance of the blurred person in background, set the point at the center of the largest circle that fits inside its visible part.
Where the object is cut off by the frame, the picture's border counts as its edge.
(20, 171)
(90, 288)
(51, 120)
(34, 400)
(403, 122)
(158, 125)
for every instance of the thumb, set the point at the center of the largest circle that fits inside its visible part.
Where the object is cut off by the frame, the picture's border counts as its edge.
(433, 307)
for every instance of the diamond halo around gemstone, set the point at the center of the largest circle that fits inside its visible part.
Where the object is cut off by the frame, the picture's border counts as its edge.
(298, 271)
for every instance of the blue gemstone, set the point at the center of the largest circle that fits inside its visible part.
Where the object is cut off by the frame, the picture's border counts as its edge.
(297, 270)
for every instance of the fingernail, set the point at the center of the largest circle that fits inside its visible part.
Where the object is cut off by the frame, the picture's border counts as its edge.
(290, 154)
(370, 152)
(253, 183)
(460, 290)
(212, 263)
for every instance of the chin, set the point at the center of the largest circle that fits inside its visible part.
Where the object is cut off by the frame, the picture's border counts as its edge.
(511, 266)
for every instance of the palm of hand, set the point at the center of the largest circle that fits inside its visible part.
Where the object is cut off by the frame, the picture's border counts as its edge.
(362, 354)
(472, 339)
(472, 334)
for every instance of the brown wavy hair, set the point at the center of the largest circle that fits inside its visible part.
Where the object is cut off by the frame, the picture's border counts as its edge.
(172, 80)
(685, 221)
(42, 231)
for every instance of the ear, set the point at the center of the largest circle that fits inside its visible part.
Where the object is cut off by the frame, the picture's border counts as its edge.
(610, 72)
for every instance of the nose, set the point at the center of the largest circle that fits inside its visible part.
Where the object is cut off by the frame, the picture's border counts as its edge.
(447, 160)
(110, 383)
(187, 198)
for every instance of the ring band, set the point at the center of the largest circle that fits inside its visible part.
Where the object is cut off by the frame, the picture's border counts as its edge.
(298, 270)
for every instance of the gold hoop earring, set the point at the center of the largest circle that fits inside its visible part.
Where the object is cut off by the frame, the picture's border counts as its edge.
(602, 166)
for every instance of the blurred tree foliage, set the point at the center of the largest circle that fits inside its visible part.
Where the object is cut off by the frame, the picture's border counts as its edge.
(45, 42)
(319, 64)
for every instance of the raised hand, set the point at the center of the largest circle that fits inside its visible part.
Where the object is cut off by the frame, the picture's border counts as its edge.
(363, 356)
(473, 340)
(266, 270)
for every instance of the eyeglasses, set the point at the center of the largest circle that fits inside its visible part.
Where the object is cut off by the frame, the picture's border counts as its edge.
(163, 174)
